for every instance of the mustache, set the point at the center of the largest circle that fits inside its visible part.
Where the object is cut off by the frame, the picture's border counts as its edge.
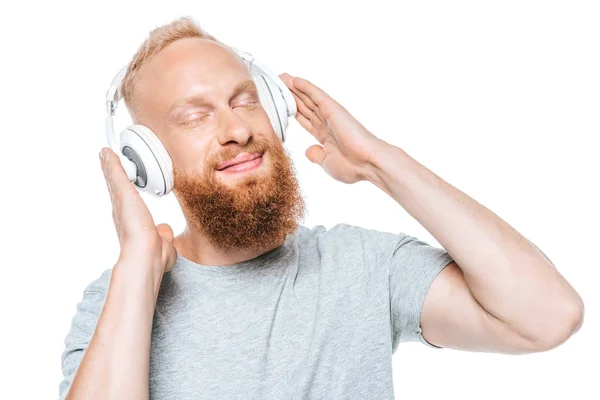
(231, 152)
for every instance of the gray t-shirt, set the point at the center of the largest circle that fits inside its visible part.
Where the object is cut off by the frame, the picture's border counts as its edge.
(316, 318)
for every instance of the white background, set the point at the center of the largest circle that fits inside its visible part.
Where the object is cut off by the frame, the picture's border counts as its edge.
(500, 99)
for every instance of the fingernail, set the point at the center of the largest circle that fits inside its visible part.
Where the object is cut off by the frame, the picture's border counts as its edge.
(101, 155)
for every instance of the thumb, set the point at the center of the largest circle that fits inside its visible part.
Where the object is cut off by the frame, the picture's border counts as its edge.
(165, 232)
(315, 154)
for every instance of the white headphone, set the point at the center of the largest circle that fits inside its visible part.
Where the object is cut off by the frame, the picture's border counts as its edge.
(144, 158)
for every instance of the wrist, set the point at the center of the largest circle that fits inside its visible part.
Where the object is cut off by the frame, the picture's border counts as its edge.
(381, 157)
(139, 274)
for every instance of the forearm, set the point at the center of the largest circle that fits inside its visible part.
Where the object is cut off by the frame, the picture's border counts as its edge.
(116, 362)
(509, 277)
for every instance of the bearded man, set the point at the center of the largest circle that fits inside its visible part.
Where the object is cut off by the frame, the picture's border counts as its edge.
(247, 303)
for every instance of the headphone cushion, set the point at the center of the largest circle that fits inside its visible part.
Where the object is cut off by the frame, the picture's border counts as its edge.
(156, 161)
(273, 103)
(280, 102)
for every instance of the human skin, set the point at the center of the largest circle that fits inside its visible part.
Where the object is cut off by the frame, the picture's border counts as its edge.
(204, 134)
(501, 293)
(116, 361)
(115, 364)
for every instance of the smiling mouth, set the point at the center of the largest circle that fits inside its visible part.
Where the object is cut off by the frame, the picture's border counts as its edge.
(242, 167)
(238, 159)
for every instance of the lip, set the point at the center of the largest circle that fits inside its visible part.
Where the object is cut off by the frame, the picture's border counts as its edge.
(242, 168)
(240, 158)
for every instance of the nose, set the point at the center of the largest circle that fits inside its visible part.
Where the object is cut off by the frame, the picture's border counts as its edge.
(235, 129)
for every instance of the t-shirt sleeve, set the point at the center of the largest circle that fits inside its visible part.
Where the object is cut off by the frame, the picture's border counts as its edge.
(82, 328)
(413, 266)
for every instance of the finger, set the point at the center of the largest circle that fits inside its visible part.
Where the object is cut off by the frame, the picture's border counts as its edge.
(305, 122)
(311, 122)
(315, 154)
(166, 232)
(289, 81)
(315, 93)
(114, 174)
(302, 108)
(309, 103)
(308, 119)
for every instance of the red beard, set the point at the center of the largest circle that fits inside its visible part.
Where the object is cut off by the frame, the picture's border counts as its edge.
(256, 212)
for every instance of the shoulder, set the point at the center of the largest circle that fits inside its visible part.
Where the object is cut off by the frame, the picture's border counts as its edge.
(350, 242)
(344, 234)
(100, 284)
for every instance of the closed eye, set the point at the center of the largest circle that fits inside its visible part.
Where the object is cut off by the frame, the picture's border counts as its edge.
(193, 121)
(248, 103)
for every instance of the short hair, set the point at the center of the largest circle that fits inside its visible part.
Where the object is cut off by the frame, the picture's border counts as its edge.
(157, 39)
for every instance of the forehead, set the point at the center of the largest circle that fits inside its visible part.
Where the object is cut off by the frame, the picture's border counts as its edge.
(188, 67)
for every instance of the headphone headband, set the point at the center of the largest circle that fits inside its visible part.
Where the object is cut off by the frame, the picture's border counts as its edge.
(144, 158)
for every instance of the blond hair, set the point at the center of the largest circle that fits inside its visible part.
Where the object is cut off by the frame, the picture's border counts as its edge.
(158, 39)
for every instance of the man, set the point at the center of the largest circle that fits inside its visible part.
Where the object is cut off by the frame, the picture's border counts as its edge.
(246, 302)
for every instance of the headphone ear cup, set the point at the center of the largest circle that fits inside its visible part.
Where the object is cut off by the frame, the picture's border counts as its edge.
(274, 104)
(154, 165)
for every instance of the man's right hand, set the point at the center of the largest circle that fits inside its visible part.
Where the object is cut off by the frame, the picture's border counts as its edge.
(139, 238)
(116, 360)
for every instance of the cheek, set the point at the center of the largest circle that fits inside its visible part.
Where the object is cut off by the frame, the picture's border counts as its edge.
(267, 125)
(189, 155)
(261, 120)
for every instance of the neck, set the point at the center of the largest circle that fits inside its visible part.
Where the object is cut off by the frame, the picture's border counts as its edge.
(193, 245)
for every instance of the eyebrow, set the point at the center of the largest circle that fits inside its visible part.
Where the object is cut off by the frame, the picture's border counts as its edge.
(247, 85)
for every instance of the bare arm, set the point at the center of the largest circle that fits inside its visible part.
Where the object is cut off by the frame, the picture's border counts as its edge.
(502, 294)
(116, 362)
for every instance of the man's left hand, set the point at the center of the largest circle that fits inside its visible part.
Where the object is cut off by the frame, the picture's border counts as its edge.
(346, 147)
